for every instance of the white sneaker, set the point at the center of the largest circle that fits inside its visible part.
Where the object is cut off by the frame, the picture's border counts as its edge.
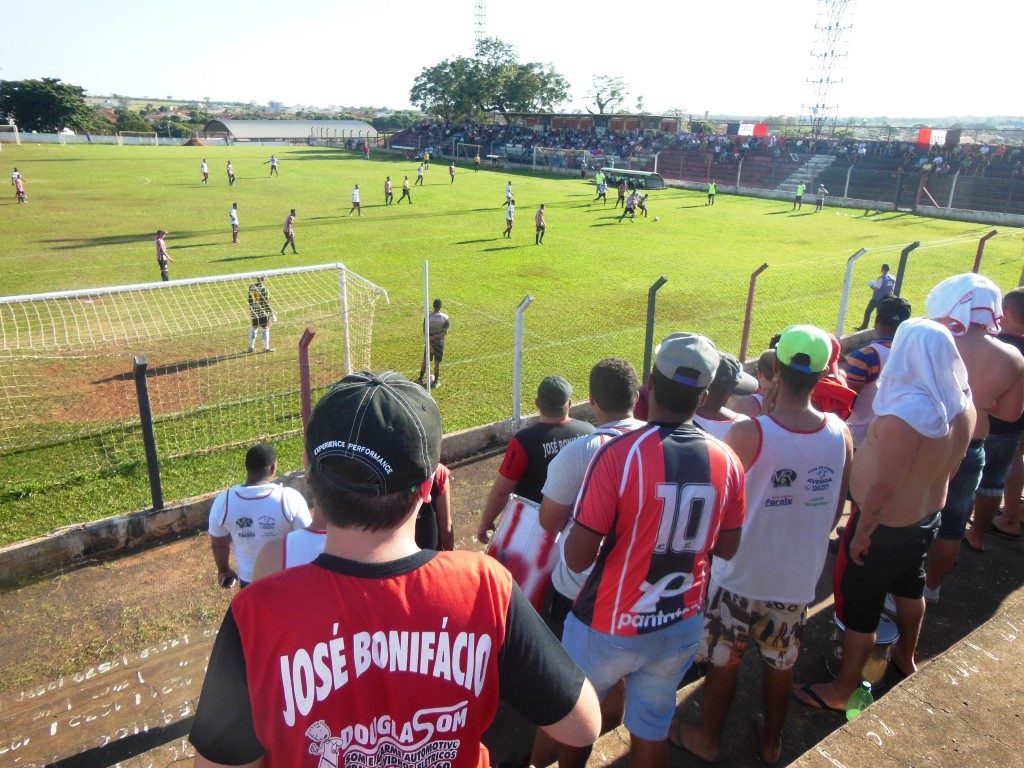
(931, 596)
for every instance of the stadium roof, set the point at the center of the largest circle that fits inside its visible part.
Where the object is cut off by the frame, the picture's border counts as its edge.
(290, 129)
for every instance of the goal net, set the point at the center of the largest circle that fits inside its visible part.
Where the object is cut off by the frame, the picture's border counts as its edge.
(549, 158)
(137, 137)
(468, 151)
(68, 404)
(9, 133)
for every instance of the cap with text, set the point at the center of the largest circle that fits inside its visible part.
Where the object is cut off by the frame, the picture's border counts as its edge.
(688, 359)
(804, 348)
(383, 421)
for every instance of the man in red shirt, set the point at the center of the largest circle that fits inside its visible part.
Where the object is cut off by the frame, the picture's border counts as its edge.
(662, 499)
(379, 653)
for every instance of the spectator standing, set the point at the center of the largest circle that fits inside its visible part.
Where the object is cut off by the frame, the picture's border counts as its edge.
(666, 497)
(1002, 445)
(923, 423)
(438, 325)
(524, 468)
(374, 442)
(754, 404)
(881, 287)
(252, 514)
(434, 527)
(864, 365)
(730, 380)
(798, 198)
(162, 257)
(289, 232)
(797, 464)
(297, 547)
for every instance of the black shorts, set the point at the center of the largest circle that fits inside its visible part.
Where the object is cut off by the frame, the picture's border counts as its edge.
(437, 350)
(261, 322)
(894, 563)
(556, 608)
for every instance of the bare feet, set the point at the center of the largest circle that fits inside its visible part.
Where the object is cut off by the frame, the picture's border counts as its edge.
(770, 753)
(1009, 529)
(689, 738)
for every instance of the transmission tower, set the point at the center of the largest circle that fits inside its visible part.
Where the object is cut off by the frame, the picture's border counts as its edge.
(831, 28)
(480, 21)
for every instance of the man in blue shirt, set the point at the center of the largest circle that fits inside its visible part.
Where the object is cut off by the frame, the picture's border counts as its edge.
(882, 286)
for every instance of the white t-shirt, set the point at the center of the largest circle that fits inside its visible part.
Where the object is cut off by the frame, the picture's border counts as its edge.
(565, 478)
(793, 487)
(355, 195)
(203, 167)
(303, 546)
(511, 212)
(253, 515)
(233, 215)
(717, 428)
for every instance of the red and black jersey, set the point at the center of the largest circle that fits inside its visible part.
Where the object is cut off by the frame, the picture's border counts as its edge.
(339, 664)
(660, 496)
(532, 449)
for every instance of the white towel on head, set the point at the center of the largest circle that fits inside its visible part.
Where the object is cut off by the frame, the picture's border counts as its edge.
(924, 381)
(966, 299)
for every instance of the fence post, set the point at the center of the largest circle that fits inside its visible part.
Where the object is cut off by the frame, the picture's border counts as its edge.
(749, 315)
(426, 324)
(652, 299)
(847, 284)
(156, 491)
(1009, 196)
(846, 188)
(952, 188)
(904, 255)
(517, 363)
(739, 172)
(656, 161)
(981, 250)
(305, 386)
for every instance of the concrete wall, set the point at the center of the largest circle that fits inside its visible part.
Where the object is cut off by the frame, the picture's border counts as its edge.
(962, 214)
(65, 546)
(776, 194)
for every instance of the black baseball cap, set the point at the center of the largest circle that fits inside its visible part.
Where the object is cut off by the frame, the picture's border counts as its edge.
(730, 377)
(893, 310)
(554, 391)
(383, 421)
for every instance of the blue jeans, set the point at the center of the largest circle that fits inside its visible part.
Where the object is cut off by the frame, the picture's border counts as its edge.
(1000, 451)
(960, 496)
(652, 663)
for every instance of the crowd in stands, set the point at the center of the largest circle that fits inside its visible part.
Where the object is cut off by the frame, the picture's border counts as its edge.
(998, 161)
(693, 523)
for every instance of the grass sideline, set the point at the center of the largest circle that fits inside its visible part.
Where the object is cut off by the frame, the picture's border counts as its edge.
(93, 210)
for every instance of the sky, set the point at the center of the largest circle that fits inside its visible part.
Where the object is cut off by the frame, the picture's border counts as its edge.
(904, 59)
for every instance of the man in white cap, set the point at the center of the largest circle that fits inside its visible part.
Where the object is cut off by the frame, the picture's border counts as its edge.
(663, 498)
(923, 422)
(970, 306)
(797, 464)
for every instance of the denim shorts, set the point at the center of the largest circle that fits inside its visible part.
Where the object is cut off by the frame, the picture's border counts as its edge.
(960, 496)
(653, 665)
(1000, 451)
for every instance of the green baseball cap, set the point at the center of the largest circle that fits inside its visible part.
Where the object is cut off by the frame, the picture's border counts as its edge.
(804, 348)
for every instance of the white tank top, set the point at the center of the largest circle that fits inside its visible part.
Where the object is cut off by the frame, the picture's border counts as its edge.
(863, 413)
(303, 546)
(717, 428)
(792, 490)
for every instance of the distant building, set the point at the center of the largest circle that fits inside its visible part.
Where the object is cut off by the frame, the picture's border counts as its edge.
(288, 130)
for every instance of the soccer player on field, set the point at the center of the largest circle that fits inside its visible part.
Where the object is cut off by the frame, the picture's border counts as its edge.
(602, 192)
(389, 196)
(798, 199)
(641, 204)
(261, 313)
(355, 201)
(162, 258)
(476, 162)
(712, 191)
(510, 213)
(419, 177)
(405, 191)
(451, 171)
(541, 225)
(273, 165)
(205, 170)
(289, 232)
(19, 190)
(231, 174)
(819, 203)
(662, 499)
(508, 192)
(233, 218)
(630, 207)
(426, 160)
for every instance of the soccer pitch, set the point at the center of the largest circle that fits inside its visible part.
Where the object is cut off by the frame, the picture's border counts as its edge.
(93, 211)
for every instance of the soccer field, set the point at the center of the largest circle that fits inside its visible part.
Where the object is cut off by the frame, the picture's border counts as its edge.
(93, 211)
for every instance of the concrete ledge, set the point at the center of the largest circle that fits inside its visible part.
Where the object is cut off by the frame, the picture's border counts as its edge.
(962, 214)
(67, 546)
(778, 194)
(960, 710)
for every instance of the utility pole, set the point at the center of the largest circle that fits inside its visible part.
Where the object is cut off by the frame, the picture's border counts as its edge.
(829, 49)
(480, 22)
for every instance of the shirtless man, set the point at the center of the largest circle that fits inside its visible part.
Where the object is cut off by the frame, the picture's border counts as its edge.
(971, 307)
(923, 422)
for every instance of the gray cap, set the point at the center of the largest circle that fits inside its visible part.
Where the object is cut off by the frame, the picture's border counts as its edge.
(731, 377)
(554, 391)
(688, 359)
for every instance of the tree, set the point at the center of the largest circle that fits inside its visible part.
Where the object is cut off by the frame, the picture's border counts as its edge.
(493, 80)
(130, 120)
(46, 105)
(607, 93)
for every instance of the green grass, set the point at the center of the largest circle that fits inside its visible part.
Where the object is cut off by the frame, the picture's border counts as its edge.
(93, 210)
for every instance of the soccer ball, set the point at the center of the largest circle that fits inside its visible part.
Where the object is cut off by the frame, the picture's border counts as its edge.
(655, 218)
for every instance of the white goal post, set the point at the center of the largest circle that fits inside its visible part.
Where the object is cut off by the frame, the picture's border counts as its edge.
(11, 129)
(549, 158)
(137, 137)
(468, 151)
